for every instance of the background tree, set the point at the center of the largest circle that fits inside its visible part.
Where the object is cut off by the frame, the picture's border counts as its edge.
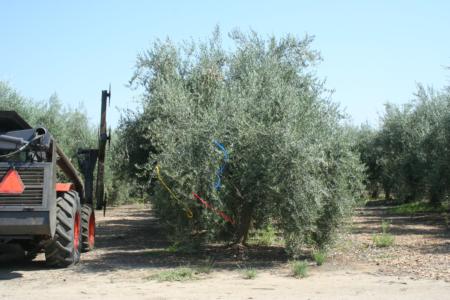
(370, 150)
(408, 155)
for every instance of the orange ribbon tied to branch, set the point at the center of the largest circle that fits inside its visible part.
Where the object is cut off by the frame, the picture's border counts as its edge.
(216, 211)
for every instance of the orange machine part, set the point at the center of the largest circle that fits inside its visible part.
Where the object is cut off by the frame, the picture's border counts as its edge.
(12, 183)
(64, 187)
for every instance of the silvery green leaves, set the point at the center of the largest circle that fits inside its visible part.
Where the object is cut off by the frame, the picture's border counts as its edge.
(290, 159)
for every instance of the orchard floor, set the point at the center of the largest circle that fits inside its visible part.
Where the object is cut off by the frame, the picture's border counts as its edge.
(130, 249)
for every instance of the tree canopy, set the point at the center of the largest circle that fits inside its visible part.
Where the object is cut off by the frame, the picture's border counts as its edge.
(290, 161)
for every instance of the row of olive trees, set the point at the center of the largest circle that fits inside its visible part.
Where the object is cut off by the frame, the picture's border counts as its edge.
(408, 158)
(290, 159)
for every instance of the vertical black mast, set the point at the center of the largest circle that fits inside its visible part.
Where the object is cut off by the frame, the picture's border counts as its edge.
(103, 138)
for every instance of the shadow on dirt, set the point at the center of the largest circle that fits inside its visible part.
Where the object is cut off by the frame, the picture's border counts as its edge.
(132, 239)
(12, 260)
(424, 225)
(137, 241)
(417, 224)
(8, 275)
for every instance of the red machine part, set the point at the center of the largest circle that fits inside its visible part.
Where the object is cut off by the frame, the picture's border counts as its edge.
(64, 187)
(92, 231)
(12, 183)
(76, 231)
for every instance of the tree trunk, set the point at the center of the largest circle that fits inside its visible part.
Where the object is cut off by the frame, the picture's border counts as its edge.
(244, 224)
(435, 197)
(245, 219)
(375, 193)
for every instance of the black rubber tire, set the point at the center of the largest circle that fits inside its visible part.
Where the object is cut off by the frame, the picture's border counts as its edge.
(30, 255)
(61, 250)
(86, 213)
(30, 250)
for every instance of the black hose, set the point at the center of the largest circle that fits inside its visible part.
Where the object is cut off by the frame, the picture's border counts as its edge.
(38, 135)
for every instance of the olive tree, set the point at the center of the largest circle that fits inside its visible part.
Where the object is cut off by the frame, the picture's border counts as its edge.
(408, 156)
(290, 159)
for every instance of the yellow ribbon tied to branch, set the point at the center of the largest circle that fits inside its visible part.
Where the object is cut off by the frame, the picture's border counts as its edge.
(188, 211)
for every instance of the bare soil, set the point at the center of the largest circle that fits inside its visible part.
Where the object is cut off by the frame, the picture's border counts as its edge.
(131, 248)
(421, 248)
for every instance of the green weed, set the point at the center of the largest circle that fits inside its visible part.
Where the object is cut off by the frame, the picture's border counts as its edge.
(249, 274)
(264, 237)
(178, 274)
(173, 248)
(206, 267)
(383, 239)
(300, 269)
(385, 226)
(418, 207)
(319, 257)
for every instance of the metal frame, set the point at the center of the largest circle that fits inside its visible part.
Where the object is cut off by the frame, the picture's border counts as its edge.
(21, 222)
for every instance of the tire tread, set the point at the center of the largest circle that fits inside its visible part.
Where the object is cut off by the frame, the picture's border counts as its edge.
(59, 251)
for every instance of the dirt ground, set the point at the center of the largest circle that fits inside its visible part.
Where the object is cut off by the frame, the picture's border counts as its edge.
(130, 249)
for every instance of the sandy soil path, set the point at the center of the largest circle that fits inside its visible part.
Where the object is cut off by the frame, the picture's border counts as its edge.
(130, 249)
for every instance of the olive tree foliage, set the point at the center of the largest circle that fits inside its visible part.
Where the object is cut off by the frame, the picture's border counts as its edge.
(408, 156)
(129, 154)
(369, 147)
(290, 160)
(10, 99)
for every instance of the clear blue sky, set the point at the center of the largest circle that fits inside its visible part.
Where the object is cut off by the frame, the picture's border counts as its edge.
(373, 52)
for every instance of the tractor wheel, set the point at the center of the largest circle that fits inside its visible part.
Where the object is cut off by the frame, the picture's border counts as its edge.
(64, 249)
(88, 228)
(30, 255)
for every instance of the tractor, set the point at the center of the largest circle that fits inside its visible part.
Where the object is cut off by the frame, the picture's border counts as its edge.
(37, 212)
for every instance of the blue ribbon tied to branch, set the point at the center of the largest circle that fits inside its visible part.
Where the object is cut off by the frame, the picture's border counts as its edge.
(219, 173)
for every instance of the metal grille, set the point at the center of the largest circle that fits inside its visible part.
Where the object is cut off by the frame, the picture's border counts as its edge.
(33, 179)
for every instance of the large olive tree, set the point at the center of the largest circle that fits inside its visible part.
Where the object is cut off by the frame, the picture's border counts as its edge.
(290, 160)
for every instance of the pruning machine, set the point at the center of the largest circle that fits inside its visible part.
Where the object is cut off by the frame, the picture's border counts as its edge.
(36, 211)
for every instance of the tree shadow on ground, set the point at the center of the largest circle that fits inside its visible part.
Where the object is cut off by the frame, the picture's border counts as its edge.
(427, 225)
(399, 227)
(443, 249)
(133, 239)
(137, 241)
